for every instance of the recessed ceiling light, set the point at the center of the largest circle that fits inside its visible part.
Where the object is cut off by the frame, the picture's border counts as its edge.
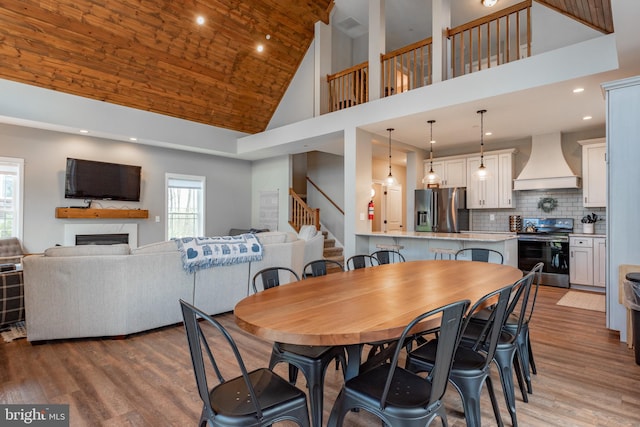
(200, 20)
(587, 118)
(268, 37)
(488, 133)
(84, 131)
(260, 48)
(133, 138)
(489, 3)
(578, 90)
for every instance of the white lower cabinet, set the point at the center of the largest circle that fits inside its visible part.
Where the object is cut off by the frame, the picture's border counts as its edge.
(587, 264)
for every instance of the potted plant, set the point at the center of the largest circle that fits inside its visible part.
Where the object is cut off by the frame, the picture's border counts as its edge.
(588, 223)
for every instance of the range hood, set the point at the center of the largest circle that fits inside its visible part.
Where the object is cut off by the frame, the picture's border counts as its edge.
(547, 168)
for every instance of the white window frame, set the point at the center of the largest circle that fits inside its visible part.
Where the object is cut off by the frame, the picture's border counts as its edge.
(202, 181)
(18, 226)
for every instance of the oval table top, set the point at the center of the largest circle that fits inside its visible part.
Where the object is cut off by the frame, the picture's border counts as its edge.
(365, 305)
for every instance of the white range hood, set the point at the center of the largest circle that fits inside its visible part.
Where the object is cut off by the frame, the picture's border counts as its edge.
(547, 168)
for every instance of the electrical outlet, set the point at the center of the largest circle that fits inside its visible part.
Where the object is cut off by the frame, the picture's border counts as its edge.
(492, 217)
(362, 216)
(157, 218)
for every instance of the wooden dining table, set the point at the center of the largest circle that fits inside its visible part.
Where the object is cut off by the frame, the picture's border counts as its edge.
(366, 305)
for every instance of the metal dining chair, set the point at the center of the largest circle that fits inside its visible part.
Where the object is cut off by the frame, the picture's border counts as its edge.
(388, 256)
(397, 396)
(321, 267)
(361, 261)
(311, 360)
(480, 254)
(267, 398)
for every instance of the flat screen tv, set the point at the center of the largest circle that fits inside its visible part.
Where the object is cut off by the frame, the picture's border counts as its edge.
(88, 179)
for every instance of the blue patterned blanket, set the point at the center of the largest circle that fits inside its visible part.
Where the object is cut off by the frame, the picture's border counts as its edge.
(205, 252)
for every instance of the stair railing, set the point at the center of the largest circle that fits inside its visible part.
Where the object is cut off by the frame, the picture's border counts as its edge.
(407, 68)
(348, 87)
(301, 213)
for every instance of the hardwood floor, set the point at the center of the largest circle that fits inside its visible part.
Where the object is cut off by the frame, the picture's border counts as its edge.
(586, 377)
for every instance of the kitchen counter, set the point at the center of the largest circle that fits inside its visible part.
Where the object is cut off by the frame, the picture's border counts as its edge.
(465, 236)
(587, 235)
(421, 245)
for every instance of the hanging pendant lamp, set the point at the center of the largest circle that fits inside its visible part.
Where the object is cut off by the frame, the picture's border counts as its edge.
(390, 179)
(482, 172)
(431, 179)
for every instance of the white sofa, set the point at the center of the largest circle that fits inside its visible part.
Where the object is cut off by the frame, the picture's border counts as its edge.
(95, 291)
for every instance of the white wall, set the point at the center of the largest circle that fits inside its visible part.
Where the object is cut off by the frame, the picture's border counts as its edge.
(45, 153)
(273, 174)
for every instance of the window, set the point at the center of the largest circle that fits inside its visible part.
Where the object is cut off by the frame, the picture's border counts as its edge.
(185, 205)
(11, 179)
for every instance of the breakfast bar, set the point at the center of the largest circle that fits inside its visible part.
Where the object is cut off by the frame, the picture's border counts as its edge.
(418, 245)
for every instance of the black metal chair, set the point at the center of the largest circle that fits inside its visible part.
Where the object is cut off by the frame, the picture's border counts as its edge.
(361, 261)
(397, 396)
(388, 256)
(311, 360)
(507, 348)
(480, 254)
(472, 360)
(320, 267)
(266, 397)
(270, 277)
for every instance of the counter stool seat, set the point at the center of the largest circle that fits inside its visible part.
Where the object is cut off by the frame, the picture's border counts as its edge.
(441, 252)
(389, 247)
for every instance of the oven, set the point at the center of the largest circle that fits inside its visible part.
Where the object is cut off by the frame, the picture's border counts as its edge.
(547, 241)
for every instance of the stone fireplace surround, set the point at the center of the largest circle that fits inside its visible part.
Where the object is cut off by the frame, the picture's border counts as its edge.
(71, 230)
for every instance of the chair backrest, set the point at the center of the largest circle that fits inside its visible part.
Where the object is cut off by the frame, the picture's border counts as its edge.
(361, 261)
(197, 342)
(319, 267)
(11, 250)
(487, 339)
(519, 299)
(480, 254)
(537, 272)
(449, 335)
(270, 277)
(388, 256)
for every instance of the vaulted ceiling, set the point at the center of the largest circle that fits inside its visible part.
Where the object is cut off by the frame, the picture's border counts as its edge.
(152, 55)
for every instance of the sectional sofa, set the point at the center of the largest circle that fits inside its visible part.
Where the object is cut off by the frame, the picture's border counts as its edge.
(96, 291)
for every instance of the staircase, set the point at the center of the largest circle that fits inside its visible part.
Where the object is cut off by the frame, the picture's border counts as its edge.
(331, 251)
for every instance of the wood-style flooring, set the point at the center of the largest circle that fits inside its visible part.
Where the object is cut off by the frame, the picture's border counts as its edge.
(586, 377)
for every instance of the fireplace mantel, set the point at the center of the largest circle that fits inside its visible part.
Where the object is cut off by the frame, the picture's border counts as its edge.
(101, 213)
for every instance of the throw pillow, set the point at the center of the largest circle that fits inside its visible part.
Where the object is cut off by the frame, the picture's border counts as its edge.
(307, 232)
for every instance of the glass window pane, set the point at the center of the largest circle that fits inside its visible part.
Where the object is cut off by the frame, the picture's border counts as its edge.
(185, 206)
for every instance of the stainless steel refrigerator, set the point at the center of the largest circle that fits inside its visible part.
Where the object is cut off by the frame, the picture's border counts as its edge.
(442, 210)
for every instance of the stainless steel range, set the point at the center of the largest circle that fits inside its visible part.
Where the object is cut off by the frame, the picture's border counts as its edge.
(546, 240)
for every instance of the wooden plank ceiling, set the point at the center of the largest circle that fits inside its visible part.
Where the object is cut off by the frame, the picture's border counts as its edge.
(594, 13)
(151, 54)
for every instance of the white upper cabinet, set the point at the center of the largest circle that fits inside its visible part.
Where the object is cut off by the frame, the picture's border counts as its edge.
(496, 191)
(452, 172)
(594, 172)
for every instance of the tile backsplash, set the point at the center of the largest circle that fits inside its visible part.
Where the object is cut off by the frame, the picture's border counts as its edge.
(569, 206)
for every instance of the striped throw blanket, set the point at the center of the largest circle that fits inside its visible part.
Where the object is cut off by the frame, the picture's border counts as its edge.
(205, 252)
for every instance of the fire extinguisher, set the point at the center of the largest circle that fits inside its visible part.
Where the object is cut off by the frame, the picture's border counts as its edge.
(371, 210)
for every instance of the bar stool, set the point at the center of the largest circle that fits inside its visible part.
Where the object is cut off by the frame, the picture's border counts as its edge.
(441, 252)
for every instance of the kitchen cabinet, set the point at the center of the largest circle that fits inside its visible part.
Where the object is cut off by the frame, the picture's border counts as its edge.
(496, 191)
(452, 171)
(594, 172)
(599, 262)
(587, 262)
(482, 194)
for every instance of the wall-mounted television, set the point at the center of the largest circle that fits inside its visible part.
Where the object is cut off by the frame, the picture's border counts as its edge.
(88, 179)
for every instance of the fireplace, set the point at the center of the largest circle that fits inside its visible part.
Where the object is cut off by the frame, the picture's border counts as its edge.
(100, 234)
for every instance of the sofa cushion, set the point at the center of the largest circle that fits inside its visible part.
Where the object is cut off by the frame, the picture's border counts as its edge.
(307, 232)
(271, 237)
(158, 247)
(88, 250)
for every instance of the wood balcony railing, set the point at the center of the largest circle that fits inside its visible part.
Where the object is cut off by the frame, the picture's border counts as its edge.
(301, 213)
(348, 87)
(407, 68)
(495, 39)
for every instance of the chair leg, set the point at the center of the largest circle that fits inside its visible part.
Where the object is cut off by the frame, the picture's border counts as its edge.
(524, 353)
(519, 376)
(504, 361)
(469, 389)
(494, 402)
(531, 361)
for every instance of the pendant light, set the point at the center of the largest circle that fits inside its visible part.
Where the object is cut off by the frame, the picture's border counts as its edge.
(431, 179)
(390, 179)
(482, 172)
